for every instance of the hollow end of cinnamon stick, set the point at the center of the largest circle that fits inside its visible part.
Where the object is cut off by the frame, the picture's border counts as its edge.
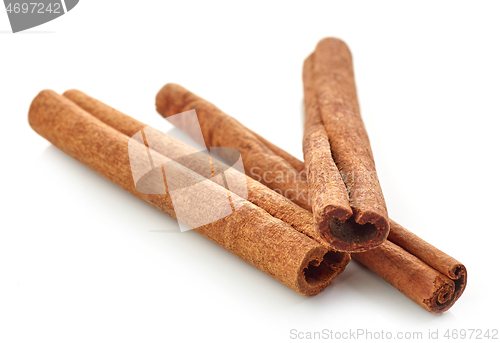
(414, 277)
(350, 236)
(432, 256)
(329, 77)
(318, 270)
(448, 292)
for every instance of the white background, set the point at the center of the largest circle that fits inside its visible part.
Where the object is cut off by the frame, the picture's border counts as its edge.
(81, 260)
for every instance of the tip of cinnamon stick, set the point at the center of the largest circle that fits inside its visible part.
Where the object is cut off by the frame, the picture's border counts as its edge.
(333, 43)
(36, 103)
(169, 93)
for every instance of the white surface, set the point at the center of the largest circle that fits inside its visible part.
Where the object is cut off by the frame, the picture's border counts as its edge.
(80, 259)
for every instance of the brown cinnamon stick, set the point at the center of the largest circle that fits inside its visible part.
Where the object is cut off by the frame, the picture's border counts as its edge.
(332, 115)
(249, 232)
(426, 275)
(329, 198)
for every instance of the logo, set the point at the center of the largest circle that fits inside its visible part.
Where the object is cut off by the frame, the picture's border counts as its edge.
(201, 187)
(24, 15)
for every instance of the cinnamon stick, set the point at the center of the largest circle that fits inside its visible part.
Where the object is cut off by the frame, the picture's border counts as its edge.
(426, 275)
(332, 115)
(249, 232)
(329, 198)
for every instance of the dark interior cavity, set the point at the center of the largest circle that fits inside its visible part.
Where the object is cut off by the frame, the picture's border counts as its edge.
(316, 273)
(352, 232)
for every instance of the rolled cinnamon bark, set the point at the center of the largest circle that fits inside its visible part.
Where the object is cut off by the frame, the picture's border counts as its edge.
(329, 198)
(426, 275)
(434, 257)
(414, 278)
(217, 127)
(335, 128)
(249, 232)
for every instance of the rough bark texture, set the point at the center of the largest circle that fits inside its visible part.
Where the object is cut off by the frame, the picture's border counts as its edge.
(250, 233)
(414, 278)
